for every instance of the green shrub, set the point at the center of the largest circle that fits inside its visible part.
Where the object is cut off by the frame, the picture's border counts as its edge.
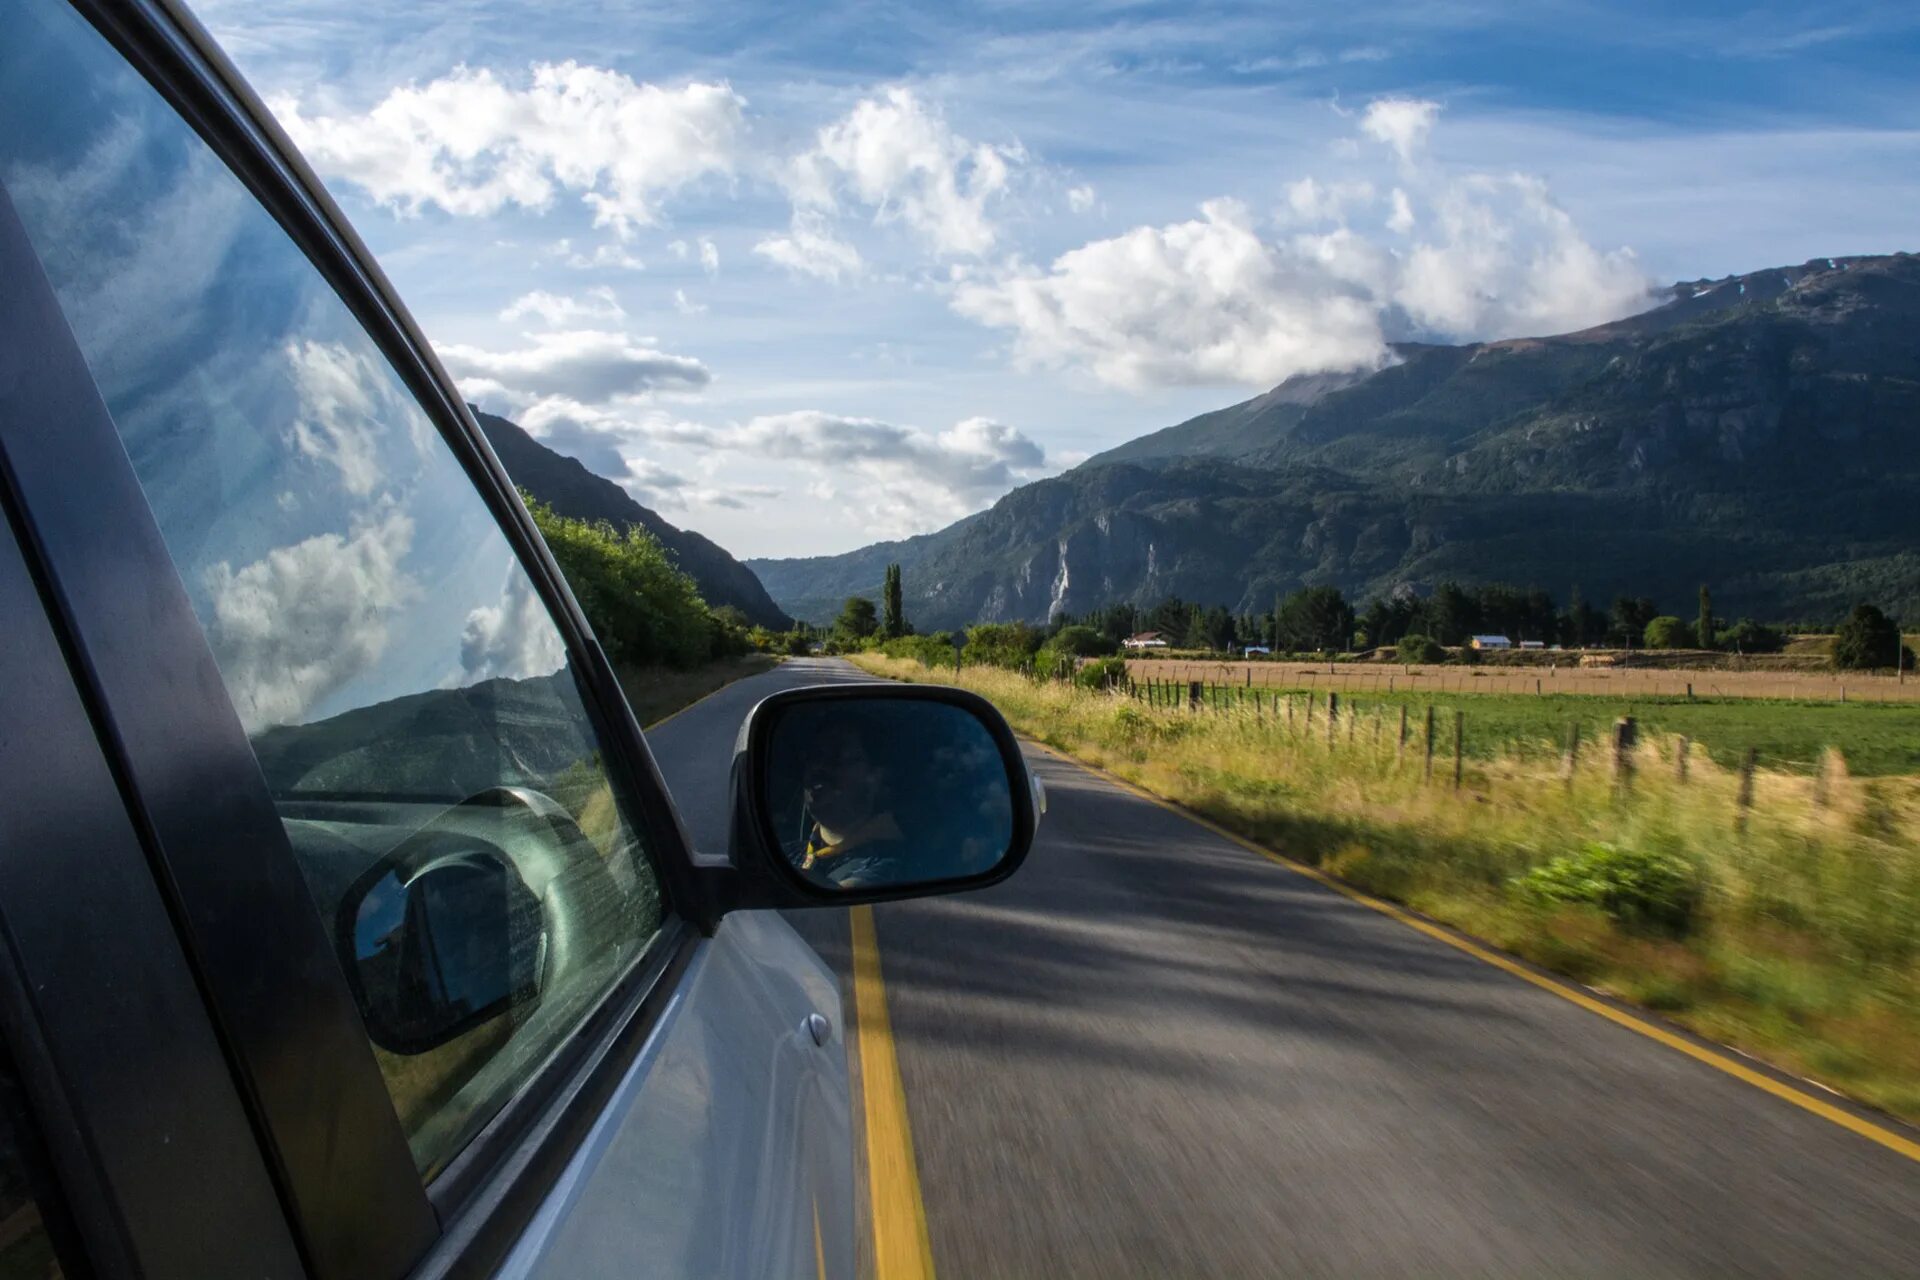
(1002, 644)
(1868, 639)
(1419, 648)
(644, 610)
(1082, 642)
(1748, 636)
(1639, 890)
(929, 651)
(1668, 632)
(1103, 673)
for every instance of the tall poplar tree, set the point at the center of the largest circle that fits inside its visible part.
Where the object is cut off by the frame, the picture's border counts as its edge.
(893, 616)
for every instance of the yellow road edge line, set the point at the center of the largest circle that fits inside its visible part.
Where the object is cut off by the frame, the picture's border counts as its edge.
(901, 1248)
(1719, 1061)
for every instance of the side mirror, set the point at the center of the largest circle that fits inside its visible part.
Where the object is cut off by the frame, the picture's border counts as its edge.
(862, 793)
(442, 949)
(465, 919)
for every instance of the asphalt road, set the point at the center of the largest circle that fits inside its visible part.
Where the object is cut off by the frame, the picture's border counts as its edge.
(1154, 1053)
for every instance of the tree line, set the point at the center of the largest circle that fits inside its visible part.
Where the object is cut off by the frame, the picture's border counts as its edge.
(1320, 620)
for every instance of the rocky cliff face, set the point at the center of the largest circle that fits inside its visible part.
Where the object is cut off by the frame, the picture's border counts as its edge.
(1757, 433)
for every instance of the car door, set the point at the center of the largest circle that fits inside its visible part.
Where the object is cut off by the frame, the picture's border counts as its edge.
(331, 659)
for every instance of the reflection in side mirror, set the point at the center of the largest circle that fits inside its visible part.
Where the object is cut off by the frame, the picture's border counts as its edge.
(436, 949)
(871, 791)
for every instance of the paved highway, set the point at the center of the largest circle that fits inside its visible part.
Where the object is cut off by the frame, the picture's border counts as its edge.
(1155, 1053)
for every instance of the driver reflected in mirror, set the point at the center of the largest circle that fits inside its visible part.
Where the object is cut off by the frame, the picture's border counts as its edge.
(888, 793)
(851, 838)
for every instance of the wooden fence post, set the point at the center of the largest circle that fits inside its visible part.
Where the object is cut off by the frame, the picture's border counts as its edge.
(1309, 711)
(1573, 751)
(1402, 749)
(1193, 695)
(1744, 801)
(1428, 774)
(1459, 740)
(1333, 718)
(1680, 750)
(1625, 733)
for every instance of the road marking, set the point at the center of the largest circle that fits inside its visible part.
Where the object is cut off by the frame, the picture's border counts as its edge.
(1718, 1061)
(901, 1249)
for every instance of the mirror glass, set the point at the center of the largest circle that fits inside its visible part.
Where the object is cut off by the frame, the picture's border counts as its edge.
(442, 950)
(887, 792)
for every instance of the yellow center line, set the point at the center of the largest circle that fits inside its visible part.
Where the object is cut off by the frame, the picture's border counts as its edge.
(1846, 1119)
(901, 1249)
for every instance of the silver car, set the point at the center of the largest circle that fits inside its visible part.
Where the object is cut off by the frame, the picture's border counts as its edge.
(350, 932)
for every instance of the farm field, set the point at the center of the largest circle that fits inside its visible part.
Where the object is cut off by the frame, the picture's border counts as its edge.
(1876, 739)
(1614, 682)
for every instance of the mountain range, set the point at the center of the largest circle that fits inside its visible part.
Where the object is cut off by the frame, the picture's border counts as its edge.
(1759, 433)
(572, 490)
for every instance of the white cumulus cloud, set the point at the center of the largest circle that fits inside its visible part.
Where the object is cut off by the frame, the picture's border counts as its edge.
(896, 154)
(1449, 257)
(1309, 200)
(1204, 301)
(557, 309)
(1503, 258)
(809, 248)
(1401, 123)
(512, 640)
(592, 366)
(472, 143)
(304, 620)
(911, 479)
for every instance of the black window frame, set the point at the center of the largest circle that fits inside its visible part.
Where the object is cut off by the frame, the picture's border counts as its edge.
(101, 1013)
(278, 999)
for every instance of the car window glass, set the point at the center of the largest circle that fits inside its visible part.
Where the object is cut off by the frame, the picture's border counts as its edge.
(411, 703)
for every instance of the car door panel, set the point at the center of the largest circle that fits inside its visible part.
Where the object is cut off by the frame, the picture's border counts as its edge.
(755, 1114)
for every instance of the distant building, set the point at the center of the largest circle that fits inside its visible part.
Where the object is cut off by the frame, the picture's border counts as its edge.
(1534, 644)
(1491, 642)
(1145, 640)
(1256, 648)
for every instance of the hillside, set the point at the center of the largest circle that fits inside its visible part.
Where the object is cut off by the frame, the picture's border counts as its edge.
(572, 490)
(1756, 433)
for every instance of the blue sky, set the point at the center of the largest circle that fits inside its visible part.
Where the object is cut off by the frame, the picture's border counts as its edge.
(803, 277)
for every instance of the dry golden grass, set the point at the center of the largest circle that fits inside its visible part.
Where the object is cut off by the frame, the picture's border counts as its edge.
(1804, 948)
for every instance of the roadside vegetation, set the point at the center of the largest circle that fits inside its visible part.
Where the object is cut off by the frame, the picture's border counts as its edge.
(1777, 910)
(668, 647)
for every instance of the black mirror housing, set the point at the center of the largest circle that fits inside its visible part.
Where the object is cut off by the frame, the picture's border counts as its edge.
(852, 793)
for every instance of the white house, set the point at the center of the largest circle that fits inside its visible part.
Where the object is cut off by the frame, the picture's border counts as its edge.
(1491, 642)
(1145, 640)
(1533, 644)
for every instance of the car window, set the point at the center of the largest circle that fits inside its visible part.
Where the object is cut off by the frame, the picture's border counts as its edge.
(411, 703)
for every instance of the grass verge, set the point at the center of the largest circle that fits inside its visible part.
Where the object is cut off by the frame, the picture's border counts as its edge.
(1793, 933)
(657, 692)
